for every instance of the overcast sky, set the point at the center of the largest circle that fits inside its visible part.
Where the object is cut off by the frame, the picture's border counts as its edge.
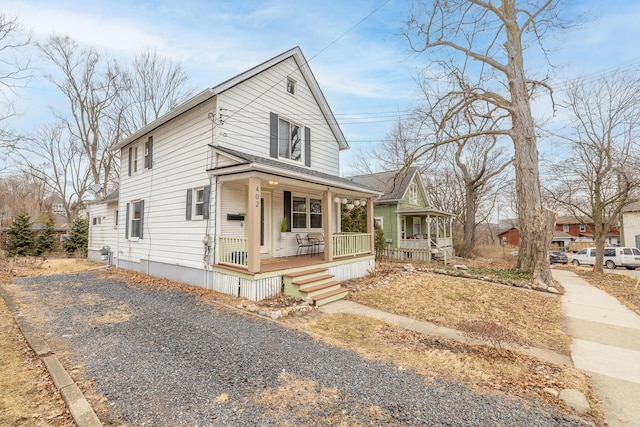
(361, 62)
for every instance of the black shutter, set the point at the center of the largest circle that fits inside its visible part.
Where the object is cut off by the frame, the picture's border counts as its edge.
(273, 135)
(126, 224)
(205, 201)
(287, 209)
(141, 219)
(130, 159)
(307, 146)
(150, 165)
(189, 201)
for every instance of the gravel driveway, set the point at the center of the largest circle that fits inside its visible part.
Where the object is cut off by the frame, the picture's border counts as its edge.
(163, 357)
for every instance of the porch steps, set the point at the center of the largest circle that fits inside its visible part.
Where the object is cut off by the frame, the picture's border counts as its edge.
(315, 284)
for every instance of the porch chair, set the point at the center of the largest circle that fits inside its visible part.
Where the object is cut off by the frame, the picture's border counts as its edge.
(317, 240)
(302, 244)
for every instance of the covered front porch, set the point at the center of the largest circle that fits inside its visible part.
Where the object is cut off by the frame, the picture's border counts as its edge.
(268, 223)
(425, 235)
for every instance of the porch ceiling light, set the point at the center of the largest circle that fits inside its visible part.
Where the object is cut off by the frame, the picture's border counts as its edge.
(273, 182)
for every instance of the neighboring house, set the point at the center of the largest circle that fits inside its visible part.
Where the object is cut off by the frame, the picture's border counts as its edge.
(630, 225)
(103, 227)
(570, 233)
(405, 214)
(204, 190)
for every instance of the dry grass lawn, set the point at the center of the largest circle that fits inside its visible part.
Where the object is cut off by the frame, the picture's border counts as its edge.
(535, 317)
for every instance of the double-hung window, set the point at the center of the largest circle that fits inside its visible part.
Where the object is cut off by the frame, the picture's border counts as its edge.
(198, 202)
(565, 228)
(136, 219)
(148, 153)
(306, 212)
(289, 140)
(583, 228)
(413, 193)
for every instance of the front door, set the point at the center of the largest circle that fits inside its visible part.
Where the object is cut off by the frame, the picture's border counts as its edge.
(416, 225)
(265, 223)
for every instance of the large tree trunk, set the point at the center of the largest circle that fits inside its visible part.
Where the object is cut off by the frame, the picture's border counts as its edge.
(534, 222)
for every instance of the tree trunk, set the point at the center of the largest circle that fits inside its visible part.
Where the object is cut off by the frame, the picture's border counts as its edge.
(535, 223)
(470, 219)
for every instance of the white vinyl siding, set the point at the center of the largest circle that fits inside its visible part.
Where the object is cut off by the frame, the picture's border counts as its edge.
(266, 95)
(179, 162)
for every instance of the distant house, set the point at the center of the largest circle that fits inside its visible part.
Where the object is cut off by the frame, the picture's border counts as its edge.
(235, 190)
(405, 213)
(630, 225)
(36, 227)
(569, 231)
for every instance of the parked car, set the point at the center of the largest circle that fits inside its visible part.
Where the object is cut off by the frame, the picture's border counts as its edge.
(557, 257)
(613, 257)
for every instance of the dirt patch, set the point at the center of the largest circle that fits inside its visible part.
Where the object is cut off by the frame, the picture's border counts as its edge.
(27, 394)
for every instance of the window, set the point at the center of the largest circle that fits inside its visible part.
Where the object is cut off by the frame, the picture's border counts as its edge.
(198, 203)
(565, 228)
(148, 153)
(306, 212)
(289, 140)
(609, 252)
(136, 219)
(291, 86)
(133, 159)
(583, 228)
(299, 210)
(97, 220)
(58, 208)
(413, 193)
(379, 220)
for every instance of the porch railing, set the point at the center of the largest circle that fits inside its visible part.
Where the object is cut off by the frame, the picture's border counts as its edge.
(414, 243)
(233, 251)
(351, 244)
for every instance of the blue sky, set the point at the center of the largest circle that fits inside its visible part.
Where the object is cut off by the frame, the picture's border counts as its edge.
(363, 65)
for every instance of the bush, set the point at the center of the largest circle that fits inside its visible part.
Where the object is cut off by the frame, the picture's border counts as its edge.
(20, 236)
(78, 241)
(46, 239)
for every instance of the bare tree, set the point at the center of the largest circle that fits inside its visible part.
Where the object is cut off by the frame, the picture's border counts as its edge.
(61, 165)
(600, 174)
(155, 85)
(20, 193)
(91, 87)
(14, 70)
(482, 45)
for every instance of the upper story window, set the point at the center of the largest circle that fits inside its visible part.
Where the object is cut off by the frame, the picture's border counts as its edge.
(583, 228)
(148, 153)
(133, 159)
(291, 86)
(565, 228)
(289, 140)
(413, 193)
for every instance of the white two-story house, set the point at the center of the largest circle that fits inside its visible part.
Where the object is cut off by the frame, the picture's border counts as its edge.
(238, 190)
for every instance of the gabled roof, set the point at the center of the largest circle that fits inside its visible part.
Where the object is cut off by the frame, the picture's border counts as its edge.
(209, 93)
(246, 162)
(393, 184)
(570, 219)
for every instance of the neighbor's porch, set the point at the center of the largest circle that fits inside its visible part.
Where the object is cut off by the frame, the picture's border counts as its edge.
(425, 235)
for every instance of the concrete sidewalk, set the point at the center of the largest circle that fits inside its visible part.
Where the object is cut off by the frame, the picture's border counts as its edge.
(606, 345)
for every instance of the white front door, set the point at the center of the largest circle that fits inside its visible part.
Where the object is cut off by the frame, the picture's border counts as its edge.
(403, 227)
(265, 223)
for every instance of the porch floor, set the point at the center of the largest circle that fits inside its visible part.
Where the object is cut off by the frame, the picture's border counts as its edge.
(268, 265)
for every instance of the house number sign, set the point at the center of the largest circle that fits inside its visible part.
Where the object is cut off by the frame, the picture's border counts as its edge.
(257, 197)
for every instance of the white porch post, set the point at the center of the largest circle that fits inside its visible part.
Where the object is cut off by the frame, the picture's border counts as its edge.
(328, 225)
(370, 228)
(429, 237)
(253, 225)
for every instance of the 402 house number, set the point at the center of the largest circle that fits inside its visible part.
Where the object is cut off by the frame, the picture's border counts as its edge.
(257, 197)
